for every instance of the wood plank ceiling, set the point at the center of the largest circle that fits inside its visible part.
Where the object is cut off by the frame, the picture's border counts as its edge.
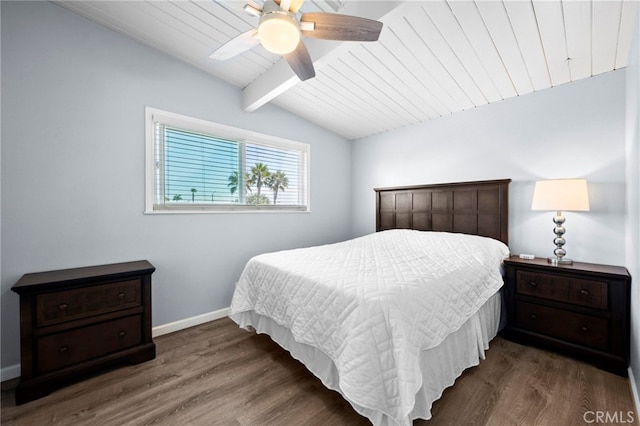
(433, 58)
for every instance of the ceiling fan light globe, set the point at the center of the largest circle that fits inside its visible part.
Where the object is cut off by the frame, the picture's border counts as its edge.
(279, 33)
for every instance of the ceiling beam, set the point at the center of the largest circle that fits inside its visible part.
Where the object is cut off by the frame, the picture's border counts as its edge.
(280, 77)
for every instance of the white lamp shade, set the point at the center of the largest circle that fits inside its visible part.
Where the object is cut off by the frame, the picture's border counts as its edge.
(561, 195)
(279, 33)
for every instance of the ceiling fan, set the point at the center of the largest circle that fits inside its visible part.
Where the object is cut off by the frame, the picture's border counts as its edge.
(279, 31)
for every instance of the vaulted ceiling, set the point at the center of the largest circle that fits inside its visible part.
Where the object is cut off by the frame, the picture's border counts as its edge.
(433, 58)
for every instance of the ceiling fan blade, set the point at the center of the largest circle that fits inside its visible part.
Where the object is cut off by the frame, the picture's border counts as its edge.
(295, 5)
(334, 26)
(300, 62)
(236, 46)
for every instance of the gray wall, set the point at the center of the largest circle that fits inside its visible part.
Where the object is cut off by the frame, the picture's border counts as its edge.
(73, 98)
(633, 196)
(572, 130)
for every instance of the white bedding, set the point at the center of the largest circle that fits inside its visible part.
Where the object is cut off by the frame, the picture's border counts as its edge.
(440, 366)
(373, 304)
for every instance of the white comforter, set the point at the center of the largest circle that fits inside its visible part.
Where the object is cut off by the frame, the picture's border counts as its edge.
(371, 304)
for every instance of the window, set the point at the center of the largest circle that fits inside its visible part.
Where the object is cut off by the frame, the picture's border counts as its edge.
(194, 165)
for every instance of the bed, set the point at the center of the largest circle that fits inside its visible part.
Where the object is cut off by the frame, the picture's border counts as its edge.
(391, 319)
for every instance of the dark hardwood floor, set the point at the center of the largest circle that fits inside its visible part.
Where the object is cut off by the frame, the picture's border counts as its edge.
(217, 374)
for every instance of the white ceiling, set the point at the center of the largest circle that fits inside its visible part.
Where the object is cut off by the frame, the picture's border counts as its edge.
(433, 58)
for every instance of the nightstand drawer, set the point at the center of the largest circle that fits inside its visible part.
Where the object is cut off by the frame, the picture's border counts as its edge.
(582, 329)
(589, 293)
(560, 288)
(70, 347)
(61, 306)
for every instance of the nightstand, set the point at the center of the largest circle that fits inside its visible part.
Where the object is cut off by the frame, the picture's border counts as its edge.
(581, 310)
(75, 321)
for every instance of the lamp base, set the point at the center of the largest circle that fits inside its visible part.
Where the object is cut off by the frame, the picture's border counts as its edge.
(559, 252)
(556, 261)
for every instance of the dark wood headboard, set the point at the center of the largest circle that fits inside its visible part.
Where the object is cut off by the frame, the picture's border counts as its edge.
(478, 208)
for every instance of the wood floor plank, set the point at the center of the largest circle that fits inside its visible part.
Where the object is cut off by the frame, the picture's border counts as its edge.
(218, 374)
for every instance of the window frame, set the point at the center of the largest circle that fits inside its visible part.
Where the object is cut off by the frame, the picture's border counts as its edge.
(220, 131)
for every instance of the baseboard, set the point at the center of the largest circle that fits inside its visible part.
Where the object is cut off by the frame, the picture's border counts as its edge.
(13, 371)
(188, 322)
(10, 372)
(634, 391)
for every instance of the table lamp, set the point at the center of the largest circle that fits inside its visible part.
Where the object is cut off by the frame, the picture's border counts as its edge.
(560, 195)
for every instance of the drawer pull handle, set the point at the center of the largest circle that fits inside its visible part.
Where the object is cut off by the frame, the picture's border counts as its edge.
(584, 329)
(533, 284)
(122, 333)
(63, 306)
(63, 349)
(584, 292)
(534, 317)
(120, 295)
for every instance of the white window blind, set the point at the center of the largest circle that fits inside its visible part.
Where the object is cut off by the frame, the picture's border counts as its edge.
(195, 165)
